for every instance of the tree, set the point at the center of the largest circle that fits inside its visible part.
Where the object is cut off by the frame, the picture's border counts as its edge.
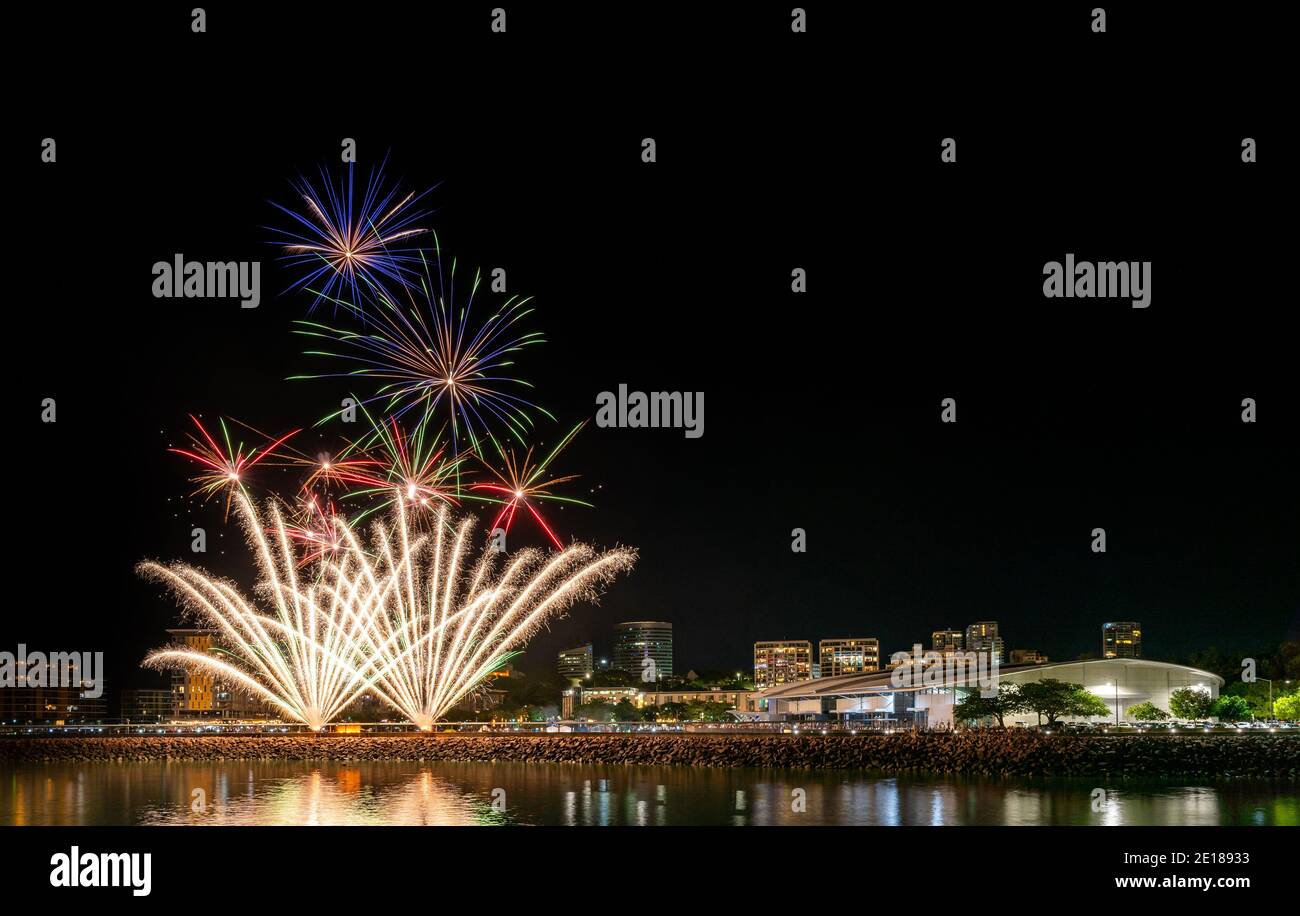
(974, 707)
(704, 711)
(613, 678)
(1287, 707)
(1229, 708)
(1053, 699)
(670, 712)
(596, 710)
(624, 711)
(1255, 694)
(1147, 712)
(1226, 665)
(1190, 703)
(1279, 662)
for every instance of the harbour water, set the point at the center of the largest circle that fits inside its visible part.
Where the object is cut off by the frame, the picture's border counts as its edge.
(448, 793)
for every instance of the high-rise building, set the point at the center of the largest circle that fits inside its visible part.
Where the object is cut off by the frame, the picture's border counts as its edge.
(982, 636)
(199, 693)
(194, 689)
(848, 656)
(782, 661)
(946, 641)
(576, 664)
(635, 641)
(1121, 639)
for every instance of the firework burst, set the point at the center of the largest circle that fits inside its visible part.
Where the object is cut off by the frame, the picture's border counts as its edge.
(413, 469)
(520, 484)
(347, 239)
(331, 473)
(428, 356)
(225, 465)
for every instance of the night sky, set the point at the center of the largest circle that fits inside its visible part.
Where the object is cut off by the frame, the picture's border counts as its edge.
(821, 410)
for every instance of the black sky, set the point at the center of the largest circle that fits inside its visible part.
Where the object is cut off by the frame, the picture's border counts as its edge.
(821, 410)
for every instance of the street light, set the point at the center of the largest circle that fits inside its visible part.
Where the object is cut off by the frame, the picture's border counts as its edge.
(1270, 693)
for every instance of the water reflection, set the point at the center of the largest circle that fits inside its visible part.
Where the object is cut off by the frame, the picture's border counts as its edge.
(319, 793)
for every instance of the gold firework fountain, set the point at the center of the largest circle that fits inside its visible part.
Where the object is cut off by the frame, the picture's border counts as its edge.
(415, 620)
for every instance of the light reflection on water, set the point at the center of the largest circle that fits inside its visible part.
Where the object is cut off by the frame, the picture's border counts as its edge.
(408, 793)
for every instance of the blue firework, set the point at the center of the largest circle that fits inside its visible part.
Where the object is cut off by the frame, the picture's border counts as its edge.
(347, 239)
(427, 354)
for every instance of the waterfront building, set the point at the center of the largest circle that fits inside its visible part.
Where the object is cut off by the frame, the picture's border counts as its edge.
(881, 698)
(576, 664)
(848, 656)
(947, 640)
(983, 636)
(577, 695)
(658, 698)
(52, 705)
(638, 643)
(1121, 639)
(146, 705)
(782, 661)
(200, 694)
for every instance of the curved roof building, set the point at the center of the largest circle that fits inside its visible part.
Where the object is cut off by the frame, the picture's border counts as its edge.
(927, 699)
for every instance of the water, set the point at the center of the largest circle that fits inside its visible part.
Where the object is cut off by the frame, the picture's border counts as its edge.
(443, 793)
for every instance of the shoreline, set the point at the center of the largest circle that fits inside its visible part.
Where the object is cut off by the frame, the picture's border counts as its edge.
(976, 752)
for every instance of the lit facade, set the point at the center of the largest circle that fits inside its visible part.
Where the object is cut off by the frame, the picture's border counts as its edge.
(573, 697)
(782, 661)
(146, 705)
(1121, 639)
(733, 698)
(875, 699)
(637, 643)
(982, 636)
(947, 640)
(51, 702)
(576, 664)
(848, 656)
(200, 694)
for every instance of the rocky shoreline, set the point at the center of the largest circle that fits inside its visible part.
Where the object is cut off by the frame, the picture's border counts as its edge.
(985, 752)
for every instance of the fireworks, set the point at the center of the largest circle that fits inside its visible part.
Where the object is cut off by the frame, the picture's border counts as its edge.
(343, 244)
(521, 484)
(223, 466)
(445, 628)
(389, 464)
(411, 620)
(428, 356)
(331, 472)
(301, 658)
(315, 529)
(414, 469)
